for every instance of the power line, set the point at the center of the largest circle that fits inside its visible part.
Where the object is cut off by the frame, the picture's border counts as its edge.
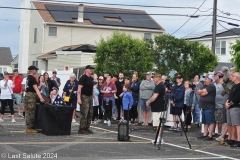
(190, 31)
(198, 28)
(229, 18)
(228, 29)
(132, 13)
(130, 5)
(229, 23)
(189, 18)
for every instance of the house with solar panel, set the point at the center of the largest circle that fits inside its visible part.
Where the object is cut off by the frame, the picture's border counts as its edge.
(56, 35)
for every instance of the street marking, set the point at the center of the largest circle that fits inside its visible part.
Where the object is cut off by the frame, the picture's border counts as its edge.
(213, 154)
(33, 143)
(195, 158)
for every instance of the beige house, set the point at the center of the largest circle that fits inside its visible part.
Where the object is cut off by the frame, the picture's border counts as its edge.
(59, 32)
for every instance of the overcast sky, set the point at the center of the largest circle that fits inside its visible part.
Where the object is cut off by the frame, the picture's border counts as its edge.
(10, 19)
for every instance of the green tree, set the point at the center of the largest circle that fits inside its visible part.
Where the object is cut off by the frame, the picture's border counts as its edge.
(235, 52)
(122, 53)
(184, 57)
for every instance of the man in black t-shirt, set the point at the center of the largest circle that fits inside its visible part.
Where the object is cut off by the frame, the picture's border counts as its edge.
(207, 103)
(30, 98)
(157, 102)
(85, 94)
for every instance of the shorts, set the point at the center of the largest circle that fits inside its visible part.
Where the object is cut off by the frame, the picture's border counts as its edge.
(143, 105)
(155, 117)
(176, 111)
(208, 116)
(233, 116)
(218, 114)
(18, 98)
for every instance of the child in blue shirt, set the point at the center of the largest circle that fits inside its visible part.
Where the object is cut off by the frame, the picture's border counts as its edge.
(127, 101)
(95, 106)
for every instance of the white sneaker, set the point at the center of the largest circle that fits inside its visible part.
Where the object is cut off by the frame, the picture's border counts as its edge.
(105, 122)
(219, 138)
(13, 121)
(157, 142)
(74, 121)
(1, 120)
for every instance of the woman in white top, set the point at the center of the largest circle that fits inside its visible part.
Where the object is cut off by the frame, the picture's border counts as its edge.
(6, 86)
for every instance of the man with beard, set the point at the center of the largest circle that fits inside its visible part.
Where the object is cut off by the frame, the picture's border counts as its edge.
(119, 84)
(85, 95)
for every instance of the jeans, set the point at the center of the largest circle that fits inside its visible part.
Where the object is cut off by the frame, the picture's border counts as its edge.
(196, 113)
(114, 108)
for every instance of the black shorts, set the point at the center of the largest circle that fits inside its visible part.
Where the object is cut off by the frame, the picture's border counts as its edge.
(176, 111)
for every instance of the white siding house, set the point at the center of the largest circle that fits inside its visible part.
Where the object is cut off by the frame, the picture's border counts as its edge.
(224, 39)
(49, 32)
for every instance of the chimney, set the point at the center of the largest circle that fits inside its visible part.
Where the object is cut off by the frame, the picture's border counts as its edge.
(80, 13)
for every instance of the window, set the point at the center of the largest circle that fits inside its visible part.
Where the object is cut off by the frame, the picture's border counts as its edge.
(35, 63)
(35, 35)
(3, 69)
(221, 47)
(147, 36)
(113, 19)
(52, 31)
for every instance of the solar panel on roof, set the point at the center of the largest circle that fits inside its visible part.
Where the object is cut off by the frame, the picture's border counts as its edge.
(72, 11)
(59, 13)
(97, 16)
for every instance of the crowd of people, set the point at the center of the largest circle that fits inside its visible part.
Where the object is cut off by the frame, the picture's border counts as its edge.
(105, 98)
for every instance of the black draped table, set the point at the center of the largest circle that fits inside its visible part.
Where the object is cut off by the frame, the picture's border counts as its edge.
(53, 120)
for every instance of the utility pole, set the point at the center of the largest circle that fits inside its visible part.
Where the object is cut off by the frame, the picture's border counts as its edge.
(214, 26)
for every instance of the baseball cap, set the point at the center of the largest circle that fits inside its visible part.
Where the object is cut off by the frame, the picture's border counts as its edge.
(101, 77)
(54, 71)
(179, 76)
(148, 73)
(32, 68)
(157, 75)
(218, 73)
(89, 67)
(5, 73)
(210, 76)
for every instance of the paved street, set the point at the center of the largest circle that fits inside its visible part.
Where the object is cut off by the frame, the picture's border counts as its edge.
(103, 144)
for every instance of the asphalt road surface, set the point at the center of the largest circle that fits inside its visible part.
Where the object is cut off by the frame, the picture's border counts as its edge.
(103, 144)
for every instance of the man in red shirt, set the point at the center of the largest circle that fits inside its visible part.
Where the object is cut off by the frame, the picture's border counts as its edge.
(17, 90)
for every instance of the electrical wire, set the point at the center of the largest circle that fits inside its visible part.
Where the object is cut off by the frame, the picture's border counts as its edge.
(188, 19)
(132, 13)
(131, 5)
(198, 28)
(190, 31)
(228, 29)
(229, 18)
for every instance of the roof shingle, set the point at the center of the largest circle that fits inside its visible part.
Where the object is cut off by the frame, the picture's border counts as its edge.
(5, 56)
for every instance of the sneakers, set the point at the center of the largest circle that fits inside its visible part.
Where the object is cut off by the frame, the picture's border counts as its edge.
(31, 131)
(83, 132)
(172, 128)
(230, 142)
(1, 120)
(74, 121)
(236, 144)
(99, 120)
(158, 142)
(93, 122)
(13, 121)
(219, 138)
(179, 129)
(207, 138)
(105, 122)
